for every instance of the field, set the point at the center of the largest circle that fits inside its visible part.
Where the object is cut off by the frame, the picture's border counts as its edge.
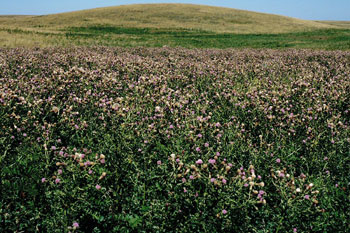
(184, 25)
(174, 140)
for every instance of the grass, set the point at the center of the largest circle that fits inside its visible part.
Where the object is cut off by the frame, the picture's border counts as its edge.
(329, 39)
(185, 25)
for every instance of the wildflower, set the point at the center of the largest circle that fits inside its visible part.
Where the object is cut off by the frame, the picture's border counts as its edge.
(90, 172)
(191, 177)
(159, 162)
(98, 187)
(307, 197)
(43, 180)
(224, 211)
(24, 135)
(199, 161)
(246, 185)
(224, 181)
(206, 144)
(212, 180)
(278, 160)
(57, 181)
(199, 135)
(212, 161)
(59, 171)
(102, 161)
(198, 149)
(75, 225)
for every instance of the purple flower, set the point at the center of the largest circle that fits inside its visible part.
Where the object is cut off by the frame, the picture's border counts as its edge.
(75, 225)
(199, 161)
(307, 197)
(212, 161)
(191, 177)
(98, 187)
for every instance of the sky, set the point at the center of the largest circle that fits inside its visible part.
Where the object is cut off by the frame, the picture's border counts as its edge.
(303, 9)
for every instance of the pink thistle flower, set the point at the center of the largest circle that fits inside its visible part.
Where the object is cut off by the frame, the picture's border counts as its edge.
(199, 161)
(75, 225)
(212, 161)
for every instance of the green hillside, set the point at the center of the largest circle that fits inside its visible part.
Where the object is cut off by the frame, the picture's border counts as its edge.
(172, 25)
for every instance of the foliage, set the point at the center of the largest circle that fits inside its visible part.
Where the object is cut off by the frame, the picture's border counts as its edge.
(165, 140)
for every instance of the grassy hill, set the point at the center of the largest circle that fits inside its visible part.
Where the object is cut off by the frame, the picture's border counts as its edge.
(170, 24)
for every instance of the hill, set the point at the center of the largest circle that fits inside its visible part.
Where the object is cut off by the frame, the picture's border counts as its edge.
(153, 25)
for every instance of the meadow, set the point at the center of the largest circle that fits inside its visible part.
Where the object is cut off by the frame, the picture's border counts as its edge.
(166, 139)
(172, 25)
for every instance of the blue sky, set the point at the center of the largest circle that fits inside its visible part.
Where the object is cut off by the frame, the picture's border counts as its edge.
(304, 9)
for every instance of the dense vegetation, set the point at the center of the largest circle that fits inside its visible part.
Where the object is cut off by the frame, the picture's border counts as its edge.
(165, 140)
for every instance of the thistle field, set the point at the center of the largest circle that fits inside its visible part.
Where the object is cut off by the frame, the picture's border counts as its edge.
(174, 140)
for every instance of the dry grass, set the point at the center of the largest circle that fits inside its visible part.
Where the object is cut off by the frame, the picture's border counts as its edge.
(339, 24)
(216, 19)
